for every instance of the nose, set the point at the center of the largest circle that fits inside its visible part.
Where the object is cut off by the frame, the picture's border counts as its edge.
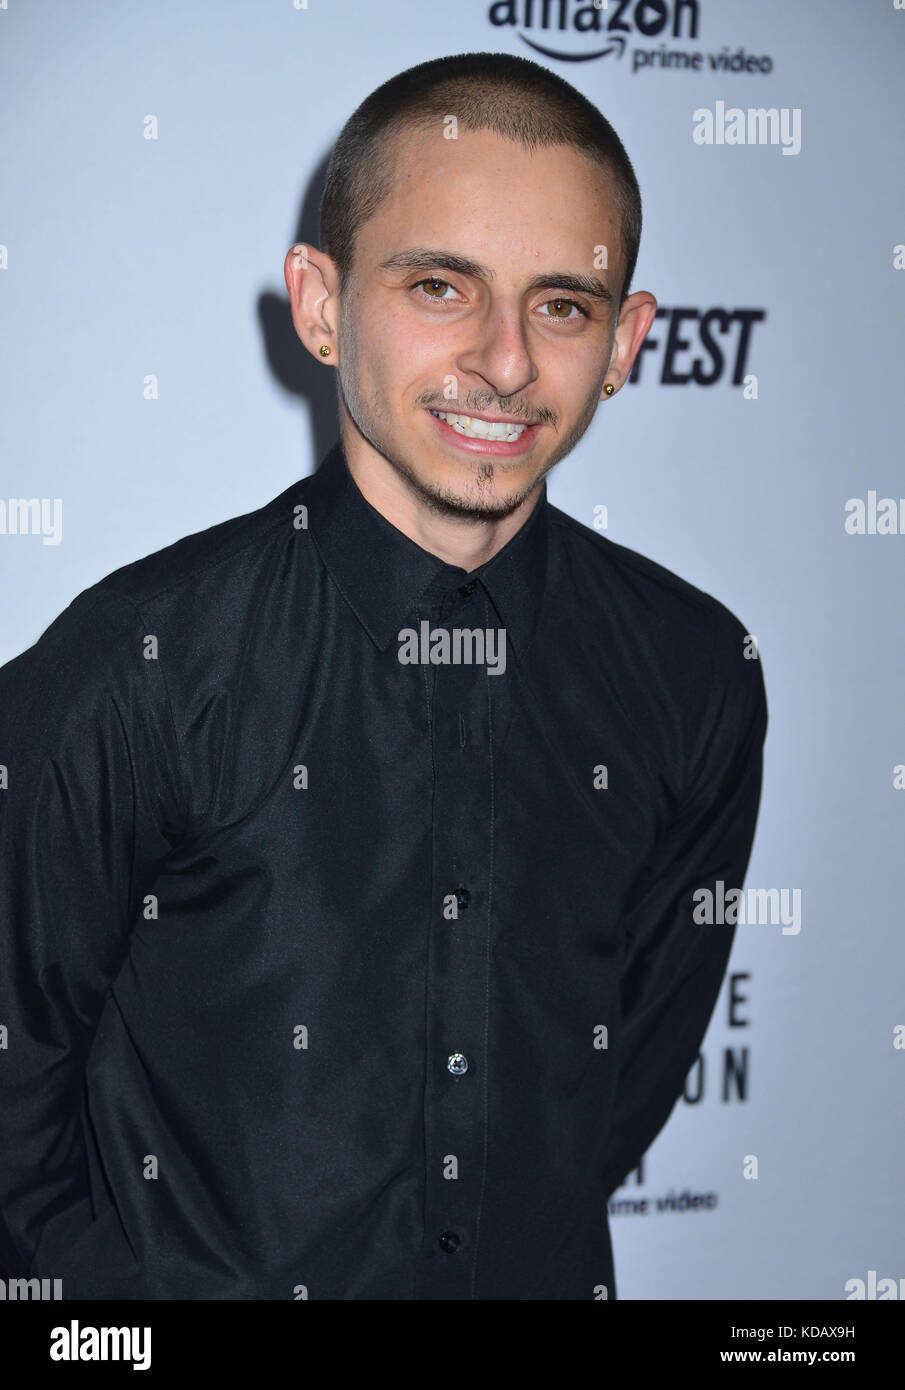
(499, 352)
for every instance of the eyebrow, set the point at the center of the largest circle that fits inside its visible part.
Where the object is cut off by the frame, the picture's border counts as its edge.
(425, 258)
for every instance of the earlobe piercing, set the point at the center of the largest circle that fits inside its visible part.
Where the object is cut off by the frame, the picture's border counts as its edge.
(325, 351)
(609, 389)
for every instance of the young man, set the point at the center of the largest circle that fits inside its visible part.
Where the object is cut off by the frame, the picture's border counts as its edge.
(349, 847)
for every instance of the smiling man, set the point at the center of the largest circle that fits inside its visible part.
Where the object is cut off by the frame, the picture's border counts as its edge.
(349, 848)
(472, 330)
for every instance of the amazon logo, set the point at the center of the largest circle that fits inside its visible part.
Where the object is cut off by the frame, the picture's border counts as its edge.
(578, 31)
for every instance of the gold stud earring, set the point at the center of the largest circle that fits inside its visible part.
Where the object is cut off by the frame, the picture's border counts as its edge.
(609, 389)
(325, 351)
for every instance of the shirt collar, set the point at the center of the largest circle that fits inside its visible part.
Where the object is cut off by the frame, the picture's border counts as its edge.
(382, 574)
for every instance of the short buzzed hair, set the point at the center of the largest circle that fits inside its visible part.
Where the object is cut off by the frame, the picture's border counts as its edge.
(513, 96)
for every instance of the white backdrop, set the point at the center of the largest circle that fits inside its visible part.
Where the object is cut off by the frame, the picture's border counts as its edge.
(126, 257)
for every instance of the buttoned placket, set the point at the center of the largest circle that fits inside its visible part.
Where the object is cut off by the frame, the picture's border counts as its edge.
(455, 1100)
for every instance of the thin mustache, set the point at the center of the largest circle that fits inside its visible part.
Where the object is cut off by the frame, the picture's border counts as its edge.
(543, 416)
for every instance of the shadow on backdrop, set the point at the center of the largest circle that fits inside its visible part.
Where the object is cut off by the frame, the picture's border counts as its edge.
(291, 363)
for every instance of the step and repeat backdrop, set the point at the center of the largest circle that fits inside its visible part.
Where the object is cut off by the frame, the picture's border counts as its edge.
(159, 161)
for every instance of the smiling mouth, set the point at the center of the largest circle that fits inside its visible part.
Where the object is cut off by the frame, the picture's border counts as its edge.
(473, 428)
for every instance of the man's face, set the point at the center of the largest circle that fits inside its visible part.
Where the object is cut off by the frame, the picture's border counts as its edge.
(499, 338)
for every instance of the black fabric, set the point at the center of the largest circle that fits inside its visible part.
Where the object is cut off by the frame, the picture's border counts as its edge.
(261, 880)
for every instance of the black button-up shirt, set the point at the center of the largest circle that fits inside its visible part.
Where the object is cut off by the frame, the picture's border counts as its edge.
(348, 938)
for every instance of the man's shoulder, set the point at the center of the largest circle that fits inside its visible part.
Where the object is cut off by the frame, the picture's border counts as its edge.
(658, 603)
(183, 584)
(671, 640)
(206, 559)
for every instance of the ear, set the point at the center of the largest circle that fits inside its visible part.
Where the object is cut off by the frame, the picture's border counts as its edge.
(635, 320)
(313, 284)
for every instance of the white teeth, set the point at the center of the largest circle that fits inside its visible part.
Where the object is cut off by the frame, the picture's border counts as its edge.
(481, 429)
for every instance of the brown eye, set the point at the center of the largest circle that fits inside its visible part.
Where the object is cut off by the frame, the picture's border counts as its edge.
(562, 308)
(430, 286)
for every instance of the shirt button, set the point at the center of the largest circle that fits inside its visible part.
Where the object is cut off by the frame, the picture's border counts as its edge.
(449, 1242)
(457, 1064)
(463, 898)
(468, 589)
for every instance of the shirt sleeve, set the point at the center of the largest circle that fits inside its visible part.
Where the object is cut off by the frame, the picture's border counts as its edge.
(88, 763)
(673, 967)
